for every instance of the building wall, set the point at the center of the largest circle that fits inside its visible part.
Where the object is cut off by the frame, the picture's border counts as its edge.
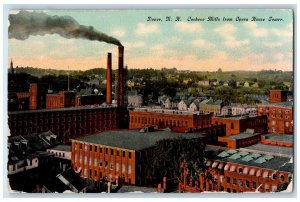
(280, 119)
(17, 167)
(236, 180)
(73, 122)
(140, 119)
(54, 101)
(236, 126)
(135, 100)
(209, 108)
(235, 144)
(97, 161)
(264, 140)
(60, 154)
(278, 96)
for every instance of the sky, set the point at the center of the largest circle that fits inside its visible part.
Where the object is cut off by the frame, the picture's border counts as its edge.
(186, 45)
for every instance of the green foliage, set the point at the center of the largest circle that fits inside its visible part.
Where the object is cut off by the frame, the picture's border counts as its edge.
(168, 154)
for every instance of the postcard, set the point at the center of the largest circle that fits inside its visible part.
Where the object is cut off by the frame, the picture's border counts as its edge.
(150, 101)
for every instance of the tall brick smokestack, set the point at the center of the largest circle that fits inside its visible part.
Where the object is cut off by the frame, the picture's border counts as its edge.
(108, 80)
(120, 85)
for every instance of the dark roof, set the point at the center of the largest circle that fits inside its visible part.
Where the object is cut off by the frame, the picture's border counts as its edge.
(217, 102)
(277, 150)
(280, 137)
(242, 136)
(253, 159)
(61, 109)
(62, 148)
(73, 178)
(133, 139)
(288, 104)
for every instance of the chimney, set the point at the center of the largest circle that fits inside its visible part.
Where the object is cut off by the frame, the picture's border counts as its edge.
(108, 80)
(120, 85)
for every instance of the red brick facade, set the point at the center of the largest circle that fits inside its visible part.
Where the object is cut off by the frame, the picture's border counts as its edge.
(278, 96)
(238, 143)
(99, 161)
(280, 119)
(60, 100)
(71, 122)
(231, 177)
(139, 119)
(237, 125)
(267, 141)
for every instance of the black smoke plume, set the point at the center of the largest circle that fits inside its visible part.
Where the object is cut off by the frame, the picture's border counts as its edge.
(25, 23)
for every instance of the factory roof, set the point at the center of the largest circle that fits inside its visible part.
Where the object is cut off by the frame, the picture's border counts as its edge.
(280, 137)
(276, 150)
(134, 139)
(242, 136)
(62, 109)
(62, 148)
(250, 158)
(287, 104)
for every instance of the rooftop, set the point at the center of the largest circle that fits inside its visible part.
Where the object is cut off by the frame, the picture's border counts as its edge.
(276, 150)
(249, 158)
(133, 139)
(163, 111)
(242, 136)
(62, 109)
(62, 148)
(288, 104)
(280, 137)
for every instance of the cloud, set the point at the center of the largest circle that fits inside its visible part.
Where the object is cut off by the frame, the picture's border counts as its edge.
(227, 31)
(188, 27)
(134, 45)
(282, 32)
(272, 44)
(118, 32)
(145, 29)
(202, 43)
(255, 30)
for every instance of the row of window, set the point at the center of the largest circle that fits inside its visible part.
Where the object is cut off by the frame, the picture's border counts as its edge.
(273, 110)
(100, 149)
(104, 163)
(167, 122)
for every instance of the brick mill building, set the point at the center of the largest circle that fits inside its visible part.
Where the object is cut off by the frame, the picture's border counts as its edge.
(280, 116)
(238, 124)
(141, 117)
(119, 155)
(240, 171)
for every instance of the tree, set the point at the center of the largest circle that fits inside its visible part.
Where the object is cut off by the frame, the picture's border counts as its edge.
(168, 154)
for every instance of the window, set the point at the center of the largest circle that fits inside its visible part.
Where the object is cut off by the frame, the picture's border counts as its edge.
(95, 162)
(123, 167)
(123, 153)
(118, 153)
(234, 181)
(105, 164)
(100, 149)
(240, 182)
(63, 154)
(254, 185)
(85, 171)
(228, 190)
(232, 126)
(76, 146)
(100, 163)
(247, 183)
(95, 173)
(95, 148)
(286, 124)
(85, 160)
(80, 146)
(91, 148)
(106, 150)
(111, 165)
(85, 147)
(117, 166)
(228, 180)
(286, 117)
(90, 161)
(111, 151)
(129, 169)
(90, 173)
(129, 154)
(80, 159)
